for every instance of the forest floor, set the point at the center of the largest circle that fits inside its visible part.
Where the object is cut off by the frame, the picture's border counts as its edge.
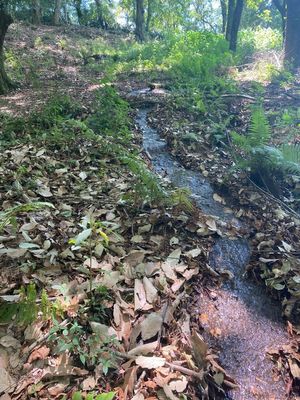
(150, 266)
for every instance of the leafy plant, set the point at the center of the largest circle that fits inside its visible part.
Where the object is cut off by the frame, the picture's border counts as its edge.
(112, 116)
(259, 132)
(25, 310)
(92, 234)
(264, 162)
(94, 396)
(91, 349)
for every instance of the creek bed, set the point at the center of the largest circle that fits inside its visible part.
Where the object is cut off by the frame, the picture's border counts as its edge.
(241, 320)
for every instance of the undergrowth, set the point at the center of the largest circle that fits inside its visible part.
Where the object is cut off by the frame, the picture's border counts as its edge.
(266, 164)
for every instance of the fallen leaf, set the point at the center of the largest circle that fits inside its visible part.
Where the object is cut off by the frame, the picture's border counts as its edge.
(179, 385)
(89, 383)
(150, 290)
(150, 362)
(151, 326)
(143, 349)
(200, 349)
(174, 257)
(39, 354)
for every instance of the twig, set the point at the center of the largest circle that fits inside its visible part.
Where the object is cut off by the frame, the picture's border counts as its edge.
(289, 209)
(240, 95)
(173, 366)
(186, 371)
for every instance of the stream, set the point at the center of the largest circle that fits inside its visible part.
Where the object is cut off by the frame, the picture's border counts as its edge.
(241, 321)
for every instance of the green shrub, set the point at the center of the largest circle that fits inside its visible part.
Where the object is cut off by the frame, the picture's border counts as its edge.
(257, 40)
(111, 118)
(265, 163)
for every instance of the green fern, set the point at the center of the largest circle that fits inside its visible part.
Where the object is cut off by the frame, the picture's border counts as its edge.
(259, 132)
(291, 158)
(9, 216)
(148, 185)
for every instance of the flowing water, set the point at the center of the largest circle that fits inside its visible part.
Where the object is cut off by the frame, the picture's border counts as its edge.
(241, 320)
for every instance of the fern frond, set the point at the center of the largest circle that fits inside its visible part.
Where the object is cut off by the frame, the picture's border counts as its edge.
(259, 130)
(149, 183)
(291, 152)
(8, 215)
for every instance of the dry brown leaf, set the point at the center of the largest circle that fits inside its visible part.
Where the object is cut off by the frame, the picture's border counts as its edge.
(58, 389)
(150, 362)
(150, 290)
(179, 385)
(177, 285)
(140, 300)
(63, 370)
(129, 381)
(134, 258)
(200, 349)
(168, 392)
(138, 396)
(295, 368)
(151, 326)
(39, 354)
(168, 270)
(89, 383)
(174, 257)
(143, 349)
(9, 341)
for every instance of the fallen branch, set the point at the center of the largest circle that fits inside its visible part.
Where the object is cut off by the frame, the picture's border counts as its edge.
(239, 95)
(185, 371)
(278, 201)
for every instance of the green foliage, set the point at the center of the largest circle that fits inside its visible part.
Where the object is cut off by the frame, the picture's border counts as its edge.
(9, 216)
(259, 132)
(58, 107)
(255, 40)
(54, 123)
(111, 118)
(25, 311)
(263, 161)
(91, 349)
(94, 396)
(148, 186)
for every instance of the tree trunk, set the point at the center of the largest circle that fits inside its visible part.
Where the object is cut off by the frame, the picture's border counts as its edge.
(140, 21)
(5, 21)
(281, 7)
(57, 12)
(224, 15)
(236, 24)
(77, 4)
(36, 12)
(149, 15)
(292, 39)
(230, 13)
(101, 20)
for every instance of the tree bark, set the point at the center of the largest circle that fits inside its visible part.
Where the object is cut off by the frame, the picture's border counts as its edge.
(224, 15)
(281, 7)
(140, 21)
(236, 24)
(57, 12)
(101, 20)
(292, 39)
(149, 15)
(5, 21)
(230, 13)
(36, 12)
(77, 4)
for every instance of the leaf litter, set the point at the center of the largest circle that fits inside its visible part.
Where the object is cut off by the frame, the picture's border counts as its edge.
(39, 252)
